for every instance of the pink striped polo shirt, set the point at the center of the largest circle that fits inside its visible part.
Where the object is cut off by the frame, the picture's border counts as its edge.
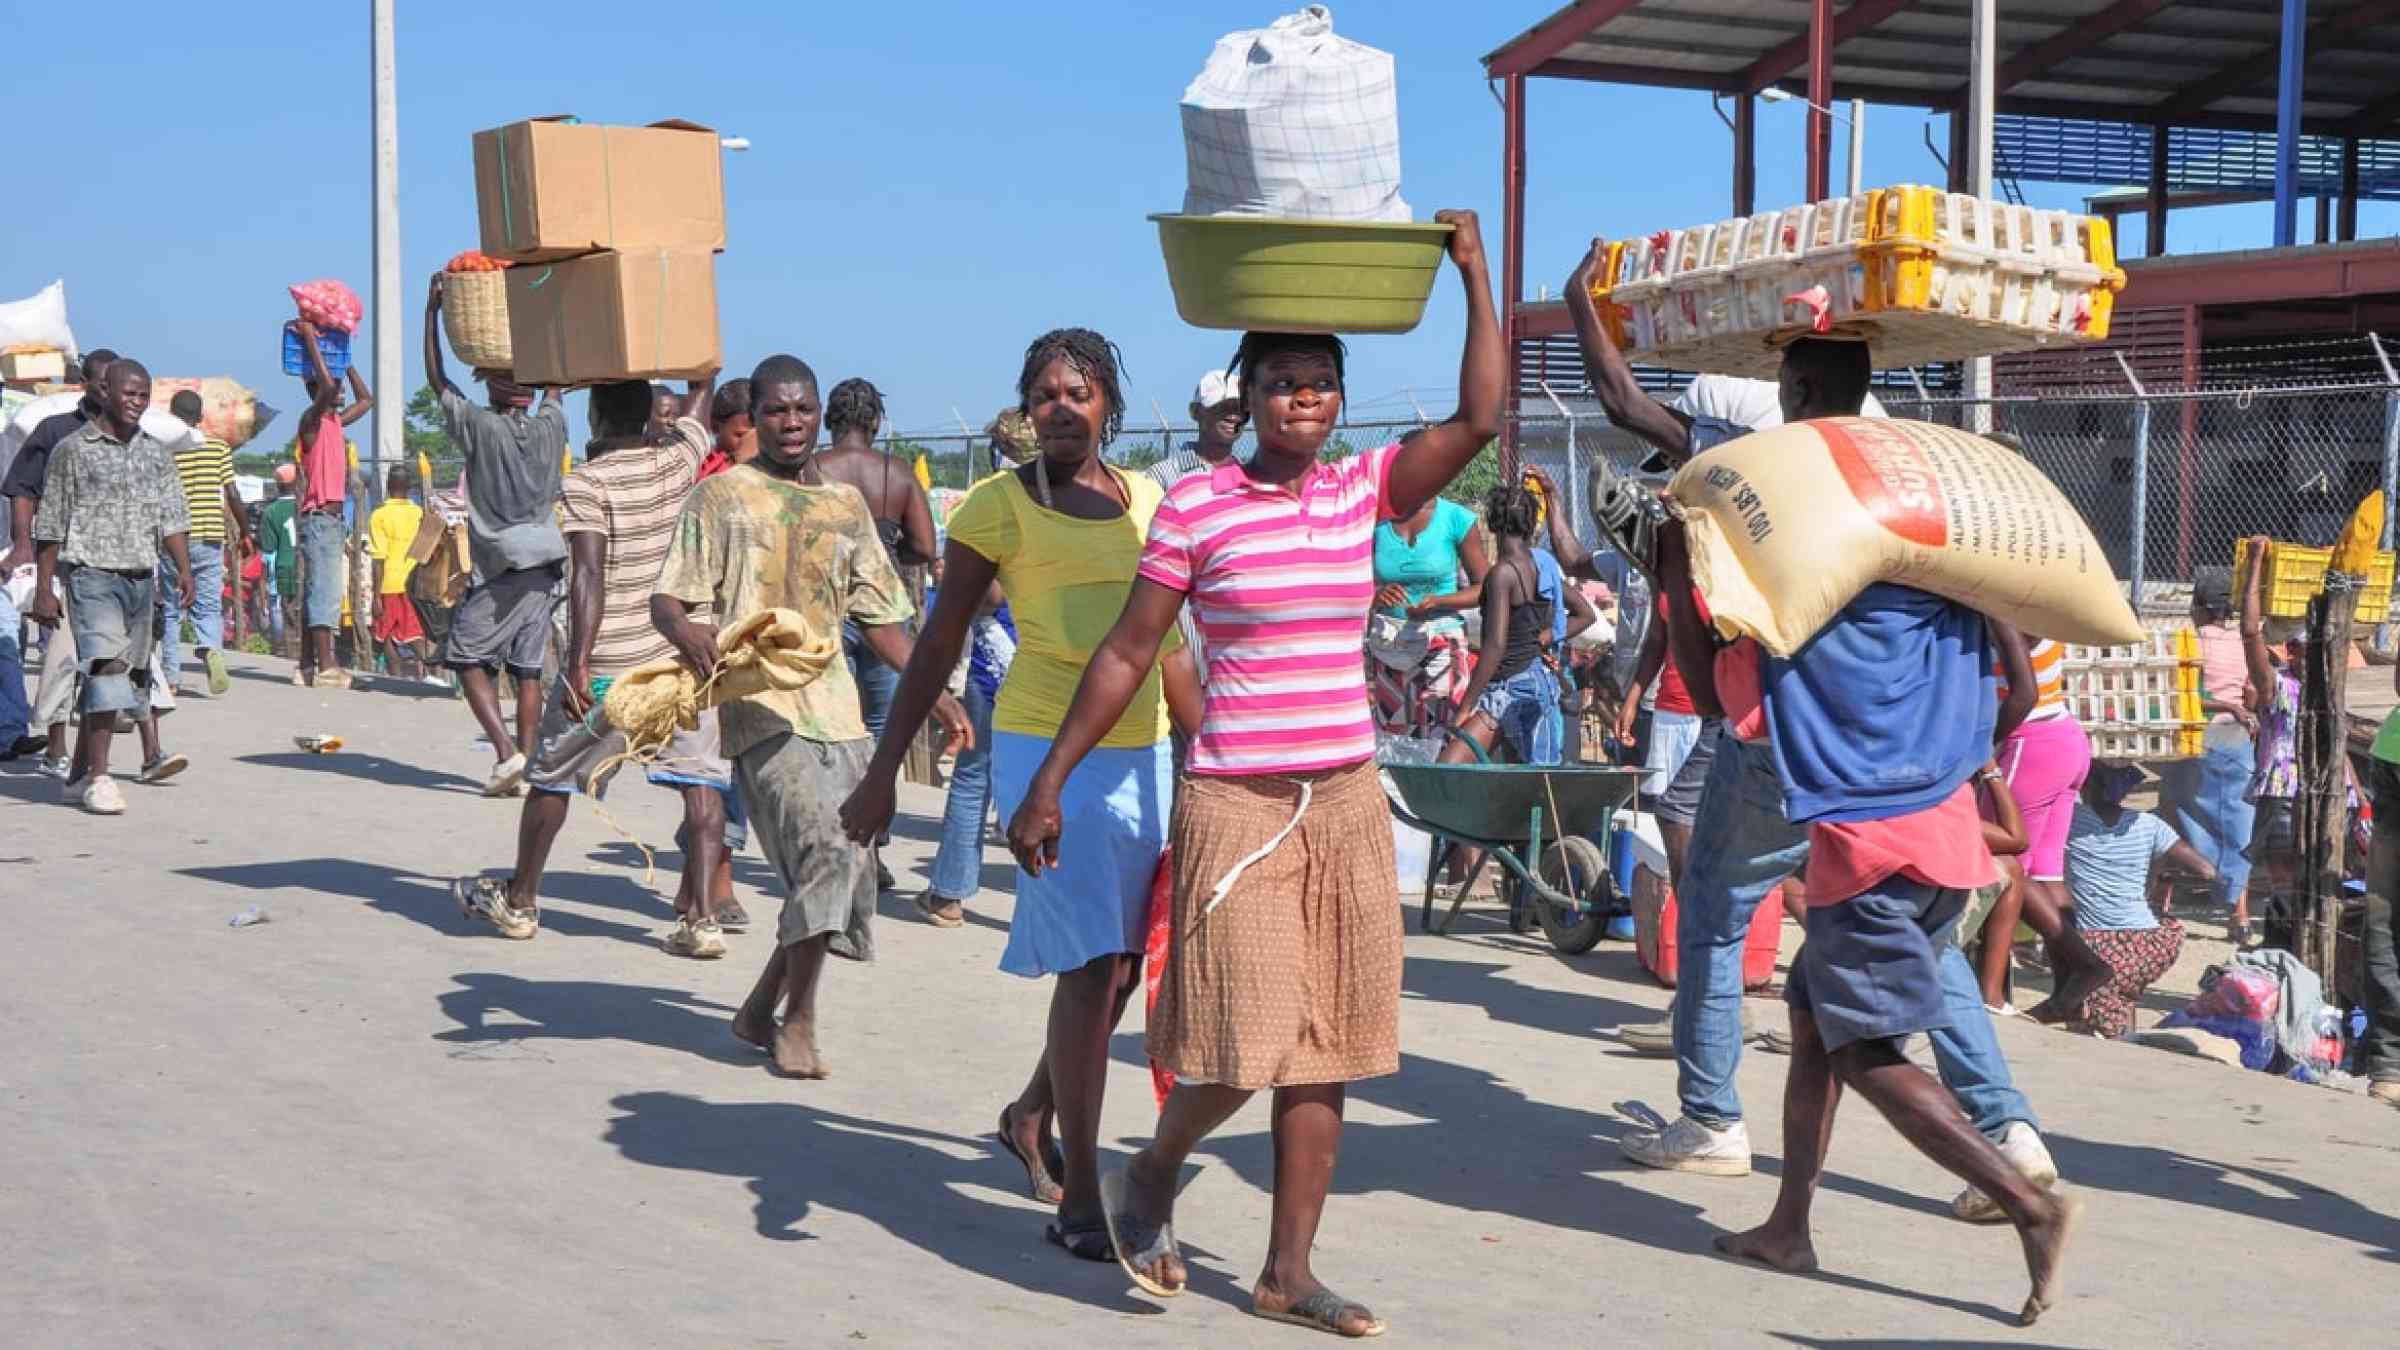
(1279, 581)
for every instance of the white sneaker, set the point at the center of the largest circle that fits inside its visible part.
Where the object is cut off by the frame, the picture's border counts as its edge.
(102, 798)
(2025, 1151)
(1689, 1146)
(507, 775)
(702, 941)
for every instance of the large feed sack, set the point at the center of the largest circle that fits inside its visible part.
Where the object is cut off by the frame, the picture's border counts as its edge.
(229, 410)
(38, 320)
(1788, 525)
(1292, 121)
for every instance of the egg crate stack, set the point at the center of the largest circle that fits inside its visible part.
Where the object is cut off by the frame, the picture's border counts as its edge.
(1920, 274)
(2138, 702)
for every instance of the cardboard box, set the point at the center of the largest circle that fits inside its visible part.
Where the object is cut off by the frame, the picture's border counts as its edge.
(644, 314)
(25, 367)
(553, 187)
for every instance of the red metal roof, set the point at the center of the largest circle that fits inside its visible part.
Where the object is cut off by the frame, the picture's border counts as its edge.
(2186, 63)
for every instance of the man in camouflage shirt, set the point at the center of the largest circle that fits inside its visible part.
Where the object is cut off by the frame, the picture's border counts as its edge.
(111, 503)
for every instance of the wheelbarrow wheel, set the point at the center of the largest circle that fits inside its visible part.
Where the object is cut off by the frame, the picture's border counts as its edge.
(1573, 866)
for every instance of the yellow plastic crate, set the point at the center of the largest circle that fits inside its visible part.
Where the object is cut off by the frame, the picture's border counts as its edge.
(1973, 258)
(2296, 572)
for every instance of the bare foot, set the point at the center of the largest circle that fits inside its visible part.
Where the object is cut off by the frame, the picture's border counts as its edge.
(756, 1029)
(796, 1052)
(2046, 1256)
(1791, 1253)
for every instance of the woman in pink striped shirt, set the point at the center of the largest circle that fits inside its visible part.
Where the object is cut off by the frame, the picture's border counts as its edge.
(1284, 971)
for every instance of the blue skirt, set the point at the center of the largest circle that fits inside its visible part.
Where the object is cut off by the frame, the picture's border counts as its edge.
(2204, 800)
(1113, 825)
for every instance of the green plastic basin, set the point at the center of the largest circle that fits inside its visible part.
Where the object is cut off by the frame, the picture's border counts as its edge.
(1300, 276)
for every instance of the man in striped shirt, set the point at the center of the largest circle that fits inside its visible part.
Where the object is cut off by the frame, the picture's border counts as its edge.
(217, 519)
(618, 511)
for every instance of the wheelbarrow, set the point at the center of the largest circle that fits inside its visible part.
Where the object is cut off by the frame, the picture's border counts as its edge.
(1534, 821)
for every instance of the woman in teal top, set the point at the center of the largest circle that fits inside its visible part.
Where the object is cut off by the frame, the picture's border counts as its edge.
(1418, 562)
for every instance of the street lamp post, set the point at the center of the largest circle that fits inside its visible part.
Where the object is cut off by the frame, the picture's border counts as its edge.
(1856, 118)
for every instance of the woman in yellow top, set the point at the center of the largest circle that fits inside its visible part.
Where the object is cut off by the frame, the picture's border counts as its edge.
(1062, 535)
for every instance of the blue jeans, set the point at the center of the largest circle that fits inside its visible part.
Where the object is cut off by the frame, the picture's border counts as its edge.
(208, 606)
(15, 712)
(1744, 848)
(1525, 709)
(113, 615)
(958, 866)
(328, 570)
(877, 683)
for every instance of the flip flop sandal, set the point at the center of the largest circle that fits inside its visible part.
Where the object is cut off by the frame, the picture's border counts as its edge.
(1325, 1310)
(1043, 1189)
(1135, 1243)
(1084, 1242)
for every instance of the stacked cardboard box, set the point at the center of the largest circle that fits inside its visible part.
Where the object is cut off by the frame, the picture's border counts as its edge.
(615, 230)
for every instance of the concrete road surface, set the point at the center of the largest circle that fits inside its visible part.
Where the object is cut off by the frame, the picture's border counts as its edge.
(370, 1122)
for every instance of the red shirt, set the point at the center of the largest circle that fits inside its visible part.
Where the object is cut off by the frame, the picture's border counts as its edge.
(1673, 697)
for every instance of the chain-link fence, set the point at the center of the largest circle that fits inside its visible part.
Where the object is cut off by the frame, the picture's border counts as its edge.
(2169, 480)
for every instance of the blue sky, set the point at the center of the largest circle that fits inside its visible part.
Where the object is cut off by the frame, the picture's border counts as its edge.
(931, 185)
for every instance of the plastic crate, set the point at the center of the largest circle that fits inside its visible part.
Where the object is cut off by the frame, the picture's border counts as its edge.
(1924, 275)
(2296, 572)
(334, 345)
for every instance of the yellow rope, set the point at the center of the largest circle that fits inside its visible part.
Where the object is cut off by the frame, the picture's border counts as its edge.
(775, 650)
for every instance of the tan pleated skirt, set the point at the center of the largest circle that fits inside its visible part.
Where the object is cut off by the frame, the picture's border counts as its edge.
(1294, 977)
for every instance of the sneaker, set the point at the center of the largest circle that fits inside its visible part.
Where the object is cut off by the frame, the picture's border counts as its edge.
(23, 746)
(939, 911)
(506, 777)
(701, 941)
(218, 680)
(1689, 1146)
(732, 917)
(52, 768)
(164, 767)
(101, 797)
(2025, 1151)
(1655, 1039)
(333, 679)
(487, 899)
(2385, 1090)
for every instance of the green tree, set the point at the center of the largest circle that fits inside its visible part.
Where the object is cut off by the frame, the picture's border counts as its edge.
(424, 433)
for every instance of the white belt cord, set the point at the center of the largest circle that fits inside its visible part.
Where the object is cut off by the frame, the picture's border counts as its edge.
(1224, 884)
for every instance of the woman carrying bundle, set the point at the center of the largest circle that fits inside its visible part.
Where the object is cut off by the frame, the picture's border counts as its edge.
(1061, 534)
(1284, 969)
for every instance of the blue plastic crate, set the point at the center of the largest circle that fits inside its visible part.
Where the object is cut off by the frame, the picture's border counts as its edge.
(335, 346)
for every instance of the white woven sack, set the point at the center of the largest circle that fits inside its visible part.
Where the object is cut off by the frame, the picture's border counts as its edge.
(39, 320)
(1291, 121)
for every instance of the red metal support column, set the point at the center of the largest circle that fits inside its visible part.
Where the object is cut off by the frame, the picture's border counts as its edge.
(2187, 445)
(1745, 155)
(1512, 265)
(1820, 99)
(2157, 209)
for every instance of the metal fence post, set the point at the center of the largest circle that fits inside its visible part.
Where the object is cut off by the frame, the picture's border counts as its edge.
(2391, 436)
(2138, 548)
(1573, 488)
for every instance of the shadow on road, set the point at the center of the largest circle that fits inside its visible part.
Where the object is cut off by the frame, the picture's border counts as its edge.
(2233, 1188)
(902, 1179)
(367, 769)
(590, 1010)
(424, 899)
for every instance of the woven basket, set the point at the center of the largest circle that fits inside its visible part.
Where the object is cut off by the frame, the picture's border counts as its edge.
(475, 311)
